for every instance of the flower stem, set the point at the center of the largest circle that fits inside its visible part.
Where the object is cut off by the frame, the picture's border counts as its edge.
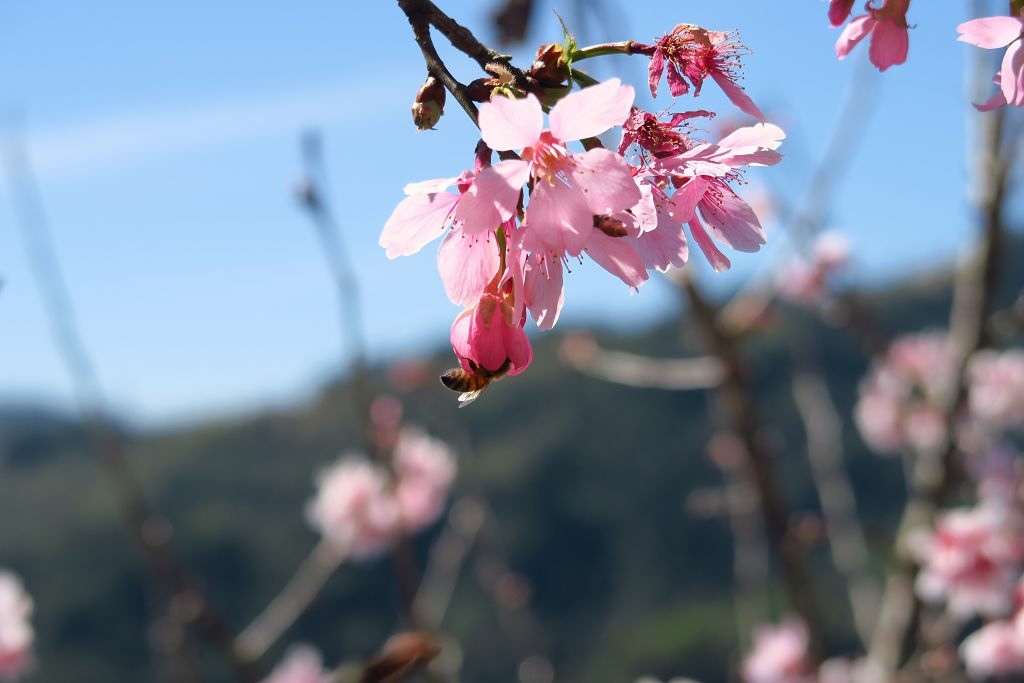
(626, 47)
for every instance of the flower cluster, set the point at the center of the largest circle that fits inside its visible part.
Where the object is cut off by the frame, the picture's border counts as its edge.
(16, 633)
(362, 510)
(898, 406)
(512, 226)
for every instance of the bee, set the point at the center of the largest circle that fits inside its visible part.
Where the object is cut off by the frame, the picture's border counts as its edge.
(472, 384)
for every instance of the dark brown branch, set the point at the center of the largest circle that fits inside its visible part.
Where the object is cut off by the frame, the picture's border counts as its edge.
(935, 474)
(147, 527)
(740, 415)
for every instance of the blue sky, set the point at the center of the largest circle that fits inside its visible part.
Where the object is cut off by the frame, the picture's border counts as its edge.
(165, 141)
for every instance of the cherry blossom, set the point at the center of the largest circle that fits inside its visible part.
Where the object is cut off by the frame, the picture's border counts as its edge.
(993, 650)
(354, 509)
(807, 282)
(994, 33)
(997, 387)
(488, 336)
(779, 654)
(887, 26)
(16, 633)
(424, 469)
(899, 399)
(301, 664)
(690, 54)
(971, 561)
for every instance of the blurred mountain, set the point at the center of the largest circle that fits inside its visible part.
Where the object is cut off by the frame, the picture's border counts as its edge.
(603, 504)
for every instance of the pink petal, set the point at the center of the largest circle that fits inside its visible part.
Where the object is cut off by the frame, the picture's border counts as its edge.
(416, 220)
(467, 263)
(646, 211)
(557, 219)
(736, 95)
(493, 197)
(664, 248)
(618, 255)
(734, 222)
(889, 45)
(545, 292)
(591, 111)
(654, 70)
(838, 11)
(990, 32)
(684, 201)
(605, 181)
(429, 186)
(487, 334)
(677, 85)
(853, 34)
(993, 102)
(517, 349)
(1011, 74)
(715, 257)
(507, 123)
(751, 146)
(460, 338)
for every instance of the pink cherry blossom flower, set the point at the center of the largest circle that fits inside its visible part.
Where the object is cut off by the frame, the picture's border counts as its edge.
(899, 399)
(489, 336)
(971, 561)
(354, 509)
(993, 33)
(424, 471)
(808, 283)
(779, 654)
(690, 54)
(993, 650)
(569, 189)
(16, 633)
(301, 664)
(997, 387)
(888, 28)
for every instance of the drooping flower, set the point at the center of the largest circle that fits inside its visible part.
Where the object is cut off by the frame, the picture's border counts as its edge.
(690, 54)
(779, 654)
(354, 509)
(888, 28)
(993, 650)
(993, 33)
(424, 471)
(302, 664)
(488, 336)
(970, 562)
(16, 633)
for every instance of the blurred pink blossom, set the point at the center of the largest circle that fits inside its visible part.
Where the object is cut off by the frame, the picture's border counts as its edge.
(997, 387)
(899, 399)
(841, 670)
(779, 654)
(887, 26)
(301, 664)
(971, 561)
(16, 633)
(993, 33)
(353, 507)
(993, 650)
(425, 468)
(808, 283)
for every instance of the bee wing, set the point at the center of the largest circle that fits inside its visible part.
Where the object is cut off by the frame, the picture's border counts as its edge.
(469, 396)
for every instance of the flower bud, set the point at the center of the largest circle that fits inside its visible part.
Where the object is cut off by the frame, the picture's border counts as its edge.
(550, 68)
(428, 106)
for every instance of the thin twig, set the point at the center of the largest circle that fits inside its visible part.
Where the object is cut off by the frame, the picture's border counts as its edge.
(292, 601)
(628, 369)
(147, 527)
(845, 535)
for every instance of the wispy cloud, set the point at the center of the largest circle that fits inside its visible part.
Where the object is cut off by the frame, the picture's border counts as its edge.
(90, 146)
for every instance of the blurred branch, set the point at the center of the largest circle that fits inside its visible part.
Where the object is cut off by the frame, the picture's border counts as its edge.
(935, 474)
(447, 556)
(292, 601)
(618, 367)
(740, 415)
(150, 531)
(845, 535)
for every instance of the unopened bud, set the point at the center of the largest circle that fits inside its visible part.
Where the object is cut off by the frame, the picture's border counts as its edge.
(550, 68)
(480, 90)
(428, 106)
